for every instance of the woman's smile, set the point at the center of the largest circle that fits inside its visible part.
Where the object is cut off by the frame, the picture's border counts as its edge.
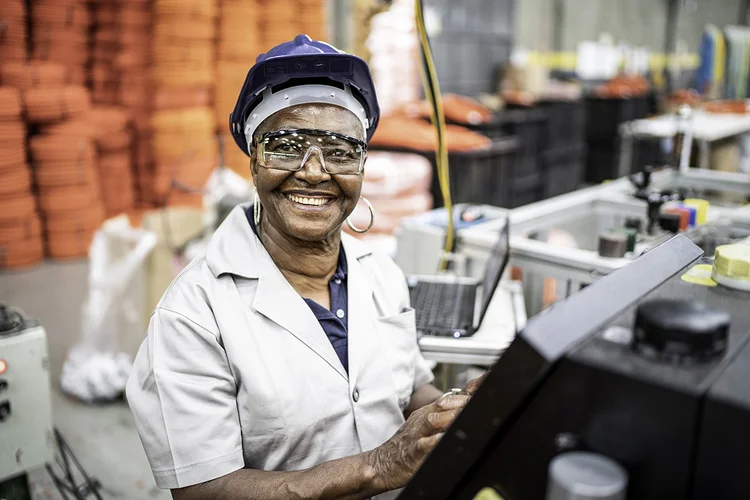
(310, 201)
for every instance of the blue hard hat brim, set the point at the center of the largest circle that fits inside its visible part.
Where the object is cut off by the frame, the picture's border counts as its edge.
(341, 69)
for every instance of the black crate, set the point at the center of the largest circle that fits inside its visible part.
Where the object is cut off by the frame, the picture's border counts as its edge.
(566, 123)
(602, 162)
(481, 177)
(563, 169)
(525, 190)
(604, 116)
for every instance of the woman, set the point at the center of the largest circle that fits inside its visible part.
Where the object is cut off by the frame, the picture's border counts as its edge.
(285, 363)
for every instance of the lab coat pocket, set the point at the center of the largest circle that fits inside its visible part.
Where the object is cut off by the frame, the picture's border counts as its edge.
(399, 335)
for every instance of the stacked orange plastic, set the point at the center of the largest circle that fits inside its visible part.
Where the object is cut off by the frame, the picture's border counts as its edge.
(113, 140)
(183, 73)
(313, 18)
(64, 160)
(186, 153)
(13, 33)
(120, 75)
(20, 234)
(239, 42)
(60, 34)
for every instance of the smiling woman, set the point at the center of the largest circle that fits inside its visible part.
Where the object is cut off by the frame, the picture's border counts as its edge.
(285, 363)
(299, 197)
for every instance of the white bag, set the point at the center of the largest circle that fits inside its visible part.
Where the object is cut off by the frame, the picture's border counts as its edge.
(98, 366)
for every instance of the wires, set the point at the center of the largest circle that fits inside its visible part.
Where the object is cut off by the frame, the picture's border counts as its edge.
(432, 93)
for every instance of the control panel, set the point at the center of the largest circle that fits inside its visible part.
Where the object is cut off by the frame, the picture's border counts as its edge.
(636, 388)
(26, 437)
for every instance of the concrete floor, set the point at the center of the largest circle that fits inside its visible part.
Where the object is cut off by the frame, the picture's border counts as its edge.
(102, 437)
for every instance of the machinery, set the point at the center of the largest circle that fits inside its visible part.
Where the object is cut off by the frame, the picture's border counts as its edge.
(421, 239)
(28, 440)
(567, 242)
(26, 433)
(635, 387)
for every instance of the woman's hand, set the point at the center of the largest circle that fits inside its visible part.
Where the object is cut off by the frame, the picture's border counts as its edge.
(471, 387)
(396, 460)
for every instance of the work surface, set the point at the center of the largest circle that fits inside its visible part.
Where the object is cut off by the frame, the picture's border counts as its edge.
(706, 126)
(103, 437)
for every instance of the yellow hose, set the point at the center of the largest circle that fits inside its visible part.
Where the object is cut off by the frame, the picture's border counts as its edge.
(430, 81)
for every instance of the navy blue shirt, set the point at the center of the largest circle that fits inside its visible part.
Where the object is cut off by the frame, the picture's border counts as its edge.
(334, 321)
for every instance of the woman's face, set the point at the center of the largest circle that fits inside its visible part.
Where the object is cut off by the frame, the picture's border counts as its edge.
(277, 188)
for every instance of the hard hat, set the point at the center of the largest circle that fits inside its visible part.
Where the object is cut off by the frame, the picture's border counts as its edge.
(300, 72)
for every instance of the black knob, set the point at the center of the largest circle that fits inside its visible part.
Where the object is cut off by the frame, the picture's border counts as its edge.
(634, 223)
(670, 222)
(680, 330)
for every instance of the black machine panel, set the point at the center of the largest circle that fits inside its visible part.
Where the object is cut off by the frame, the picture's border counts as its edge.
(641, 367)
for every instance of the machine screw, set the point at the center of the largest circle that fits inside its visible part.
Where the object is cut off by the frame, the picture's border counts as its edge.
(565, 441)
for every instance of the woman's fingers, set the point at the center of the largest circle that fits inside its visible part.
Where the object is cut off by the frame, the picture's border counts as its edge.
(427, 444)
(437, 422)
(472, 386)
(451, 402)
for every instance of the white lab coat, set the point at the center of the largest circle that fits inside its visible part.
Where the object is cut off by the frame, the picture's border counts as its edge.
(236, 371)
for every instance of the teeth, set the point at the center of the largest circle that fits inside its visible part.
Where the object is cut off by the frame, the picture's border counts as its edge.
(317, 202)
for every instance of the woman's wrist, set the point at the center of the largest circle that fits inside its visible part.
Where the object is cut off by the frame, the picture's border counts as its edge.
(374, 471)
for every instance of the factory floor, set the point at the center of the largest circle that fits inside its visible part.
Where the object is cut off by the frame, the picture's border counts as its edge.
(103, 438)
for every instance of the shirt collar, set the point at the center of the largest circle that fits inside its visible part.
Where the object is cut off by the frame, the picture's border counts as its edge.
(234, 248)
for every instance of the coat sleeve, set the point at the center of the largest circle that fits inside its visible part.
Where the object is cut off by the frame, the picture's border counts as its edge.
(183, 397)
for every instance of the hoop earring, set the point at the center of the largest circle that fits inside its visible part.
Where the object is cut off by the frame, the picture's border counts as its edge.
(256, 209)
(372, 218)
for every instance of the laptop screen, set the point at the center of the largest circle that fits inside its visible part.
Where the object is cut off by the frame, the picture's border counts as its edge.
(496, 264)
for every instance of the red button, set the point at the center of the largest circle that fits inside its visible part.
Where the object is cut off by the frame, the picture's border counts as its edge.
(684, 216)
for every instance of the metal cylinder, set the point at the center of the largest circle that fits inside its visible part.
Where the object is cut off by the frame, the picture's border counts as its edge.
(579, 475)
(613, 245)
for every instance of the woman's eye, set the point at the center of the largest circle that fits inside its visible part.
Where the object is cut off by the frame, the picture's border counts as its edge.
(339, 153)
(284, 148)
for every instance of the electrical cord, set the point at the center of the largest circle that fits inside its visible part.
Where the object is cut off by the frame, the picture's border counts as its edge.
(437, 115)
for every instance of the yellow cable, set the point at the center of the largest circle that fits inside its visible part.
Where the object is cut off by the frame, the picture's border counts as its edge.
(438, 120)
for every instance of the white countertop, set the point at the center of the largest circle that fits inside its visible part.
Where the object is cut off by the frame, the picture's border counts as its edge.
(706, 126)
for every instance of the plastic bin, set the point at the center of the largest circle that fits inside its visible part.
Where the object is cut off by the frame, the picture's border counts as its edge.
(604, 116)
(563, 169)
(602, 162)
(479, 177)
(526, 190)
(566, 123)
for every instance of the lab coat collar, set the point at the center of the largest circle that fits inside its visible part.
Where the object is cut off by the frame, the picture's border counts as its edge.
(234, 247)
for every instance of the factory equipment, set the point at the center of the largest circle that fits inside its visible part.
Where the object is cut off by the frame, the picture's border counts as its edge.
(28, 441)
(635, 387)
(421, 239)
(565, 243)
(26, 436)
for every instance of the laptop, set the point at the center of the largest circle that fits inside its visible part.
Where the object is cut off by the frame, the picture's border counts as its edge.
(455, 307)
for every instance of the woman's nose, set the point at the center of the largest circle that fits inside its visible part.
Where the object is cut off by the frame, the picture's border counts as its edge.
(312, 170)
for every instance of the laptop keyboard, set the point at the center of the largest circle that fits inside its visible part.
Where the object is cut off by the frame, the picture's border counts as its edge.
(444, 306)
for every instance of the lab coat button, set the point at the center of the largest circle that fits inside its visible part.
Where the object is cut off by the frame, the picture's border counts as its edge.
(355, 395)
(340, 314)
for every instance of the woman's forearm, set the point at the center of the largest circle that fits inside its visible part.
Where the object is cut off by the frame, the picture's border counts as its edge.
(350, 478)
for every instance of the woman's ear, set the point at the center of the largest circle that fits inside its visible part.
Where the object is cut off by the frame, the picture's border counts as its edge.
(253, 162)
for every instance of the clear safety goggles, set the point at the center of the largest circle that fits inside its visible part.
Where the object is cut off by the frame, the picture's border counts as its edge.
(290, 150)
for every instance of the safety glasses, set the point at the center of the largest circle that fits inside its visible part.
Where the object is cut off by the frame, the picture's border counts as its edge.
(290, 150)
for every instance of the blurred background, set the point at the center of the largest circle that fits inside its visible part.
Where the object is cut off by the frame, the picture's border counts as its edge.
(116, 162)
